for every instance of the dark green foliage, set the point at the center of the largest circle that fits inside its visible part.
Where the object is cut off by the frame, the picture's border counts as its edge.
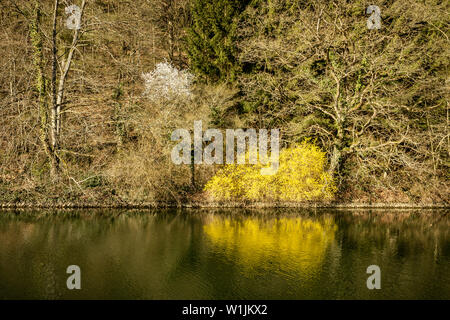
(210, 42)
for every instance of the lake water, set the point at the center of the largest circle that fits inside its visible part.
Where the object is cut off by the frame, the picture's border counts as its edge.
(225, 254)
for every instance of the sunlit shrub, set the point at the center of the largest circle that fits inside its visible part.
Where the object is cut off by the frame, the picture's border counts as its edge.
(300, 177)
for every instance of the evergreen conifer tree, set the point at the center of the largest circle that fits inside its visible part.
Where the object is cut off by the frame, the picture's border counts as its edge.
(210, 41)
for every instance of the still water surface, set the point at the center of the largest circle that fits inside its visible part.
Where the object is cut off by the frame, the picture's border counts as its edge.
(225, 254)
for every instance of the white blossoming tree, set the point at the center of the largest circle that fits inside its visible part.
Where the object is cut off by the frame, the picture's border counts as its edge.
(166, 82)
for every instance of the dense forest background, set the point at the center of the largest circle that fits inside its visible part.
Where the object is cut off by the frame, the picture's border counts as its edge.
(375, 101)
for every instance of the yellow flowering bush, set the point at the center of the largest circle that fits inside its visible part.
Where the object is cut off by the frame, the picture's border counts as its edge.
(300, 177)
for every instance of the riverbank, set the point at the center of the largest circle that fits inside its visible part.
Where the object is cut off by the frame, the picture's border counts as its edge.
(52, 196)
(144, 205)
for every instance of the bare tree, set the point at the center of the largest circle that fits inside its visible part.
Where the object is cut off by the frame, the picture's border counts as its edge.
(362, 93)
(51, 132)
(58, 95)
(171, 17)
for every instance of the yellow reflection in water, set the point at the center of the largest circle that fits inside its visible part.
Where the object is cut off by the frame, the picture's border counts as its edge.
(294, 244)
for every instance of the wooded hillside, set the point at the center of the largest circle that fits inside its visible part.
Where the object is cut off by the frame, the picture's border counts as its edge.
(78, 121)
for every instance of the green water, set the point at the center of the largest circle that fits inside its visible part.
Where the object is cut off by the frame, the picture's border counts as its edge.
(225, 254)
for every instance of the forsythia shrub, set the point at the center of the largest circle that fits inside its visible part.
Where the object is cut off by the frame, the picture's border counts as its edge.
(301, 176)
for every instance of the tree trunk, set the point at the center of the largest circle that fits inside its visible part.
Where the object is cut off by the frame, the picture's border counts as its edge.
(41, 82)
(58, 89)
(336, 156)
(335, 161)
(54, 115)
(192, 167)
